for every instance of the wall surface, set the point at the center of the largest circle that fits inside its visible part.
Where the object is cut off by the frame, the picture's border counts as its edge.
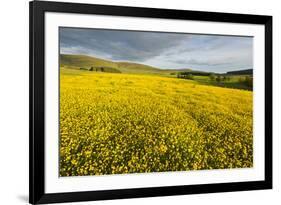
(14, 100)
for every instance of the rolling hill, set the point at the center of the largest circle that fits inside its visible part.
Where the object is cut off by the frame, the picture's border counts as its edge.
(127, 67)
(241, 72)
(84, 62)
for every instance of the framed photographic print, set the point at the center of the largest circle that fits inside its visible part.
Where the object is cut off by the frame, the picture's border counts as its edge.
(140, 102)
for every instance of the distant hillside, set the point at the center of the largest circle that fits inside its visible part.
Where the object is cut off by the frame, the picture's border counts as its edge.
(241, 72)
(127, 67)
(175, 71)
(84, 62)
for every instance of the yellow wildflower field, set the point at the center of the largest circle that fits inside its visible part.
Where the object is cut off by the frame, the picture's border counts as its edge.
(129, 123)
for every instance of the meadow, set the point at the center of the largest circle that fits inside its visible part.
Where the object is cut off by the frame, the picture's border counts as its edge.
(233, 81)
(116, 123)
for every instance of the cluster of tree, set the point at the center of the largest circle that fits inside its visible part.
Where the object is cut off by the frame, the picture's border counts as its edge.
(101, 69)
(219, 78)
(197, 73)
(185, 75)
(212, 76)
(247, 80)
(83, 68)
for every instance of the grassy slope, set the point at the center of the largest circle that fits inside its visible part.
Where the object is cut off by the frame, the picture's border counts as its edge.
(77, 61)
(127, 67)
(84, 61)
(232, 83)
(127, 123)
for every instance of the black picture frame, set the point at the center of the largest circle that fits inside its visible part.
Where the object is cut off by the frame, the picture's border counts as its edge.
(37, 193)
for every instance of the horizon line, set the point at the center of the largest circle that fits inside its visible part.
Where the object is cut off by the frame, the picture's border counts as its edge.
(171, 69)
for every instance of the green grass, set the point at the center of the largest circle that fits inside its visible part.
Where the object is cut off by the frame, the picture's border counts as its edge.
(77, 61)
(126, 67)
(82, 61)
(232, 83)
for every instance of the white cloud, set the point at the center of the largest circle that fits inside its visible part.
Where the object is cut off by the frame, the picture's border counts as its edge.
(163, 50)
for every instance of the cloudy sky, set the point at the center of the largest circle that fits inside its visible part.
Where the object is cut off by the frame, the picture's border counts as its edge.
(163, 50)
